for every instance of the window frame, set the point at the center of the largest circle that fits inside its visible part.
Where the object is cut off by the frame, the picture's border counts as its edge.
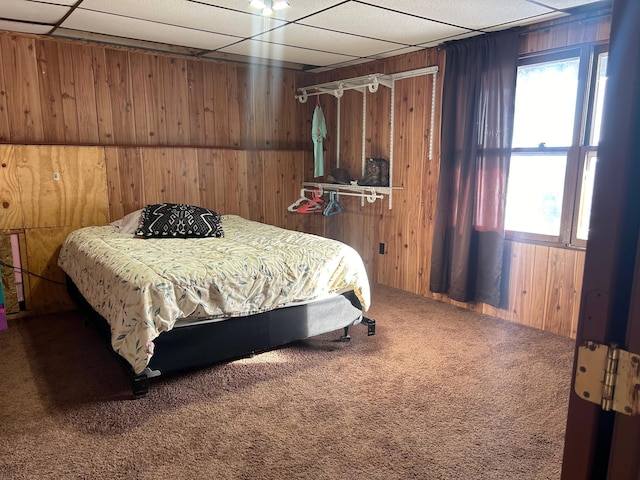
(588, 55)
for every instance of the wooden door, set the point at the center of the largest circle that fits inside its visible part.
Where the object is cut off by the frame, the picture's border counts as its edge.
(605, 444)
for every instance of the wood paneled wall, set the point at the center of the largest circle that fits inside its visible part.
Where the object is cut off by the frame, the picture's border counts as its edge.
(64, 92)
(255, 184)
(544, 281)
(49, 191)
(232, 137)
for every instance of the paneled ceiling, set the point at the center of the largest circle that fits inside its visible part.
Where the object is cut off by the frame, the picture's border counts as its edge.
(311, 35)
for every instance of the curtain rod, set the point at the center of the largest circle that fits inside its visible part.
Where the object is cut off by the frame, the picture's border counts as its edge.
(569, 22)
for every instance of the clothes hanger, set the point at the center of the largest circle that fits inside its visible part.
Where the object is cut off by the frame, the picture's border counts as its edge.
(333, 207)
(315, 205)
(295, 206)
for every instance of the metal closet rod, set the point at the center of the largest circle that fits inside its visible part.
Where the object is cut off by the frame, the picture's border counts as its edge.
(372, 82)
(337, 89)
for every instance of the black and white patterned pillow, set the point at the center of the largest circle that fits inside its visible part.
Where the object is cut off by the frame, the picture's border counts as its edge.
(178, 220)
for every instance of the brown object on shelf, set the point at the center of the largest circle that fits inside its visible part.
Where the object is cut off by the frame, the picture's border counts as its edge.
(376, 173)
(339, 175)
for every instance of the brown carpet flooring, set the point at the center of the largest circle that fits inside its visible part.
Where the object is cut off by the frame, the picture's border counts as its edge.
(438, 393)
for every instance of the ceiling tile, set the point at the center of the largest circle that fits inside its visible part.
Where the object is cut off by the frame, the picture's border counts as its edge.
(31, 11)
(187, 14)
(564, 4)
(541, 18)
(297, 10)
(374, 22)
(254, 48)
(132, 28)
(316, 35)
(400, 51)
(327, 40)
(24, 27)
(474, 14)
(68, 3)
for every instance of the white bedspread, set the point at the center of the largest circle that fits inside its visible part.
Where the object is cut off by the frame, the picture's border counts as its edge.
(142, 286)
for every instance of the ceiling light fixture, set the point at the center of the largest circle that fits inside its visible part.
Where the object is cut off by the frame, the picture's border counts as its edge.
(268, 6)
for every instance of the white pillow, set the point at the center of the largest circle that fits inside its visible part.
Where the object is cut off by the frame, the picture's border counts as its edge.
(129, 223)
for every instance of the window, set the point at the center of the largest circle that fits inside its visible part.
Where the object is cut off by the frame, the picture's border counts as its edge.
(557, 121)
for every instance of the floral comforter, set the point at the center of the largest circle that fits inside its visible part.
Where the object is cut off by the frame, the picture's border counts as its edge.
(142, 286)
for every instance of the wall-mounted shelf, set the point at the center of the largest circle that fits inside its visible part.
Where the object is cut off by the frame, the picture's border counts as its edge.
(363, 84)
(337, 89)
(365, 192)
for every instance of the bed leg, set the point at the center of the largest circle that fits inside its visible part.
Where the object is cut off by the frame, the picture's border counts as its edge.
(345, 337)
(140, 386)
(371, 325)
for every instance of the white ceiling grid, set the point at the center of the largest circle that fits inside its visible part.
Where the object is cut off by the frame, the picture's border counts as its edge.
(312, 35)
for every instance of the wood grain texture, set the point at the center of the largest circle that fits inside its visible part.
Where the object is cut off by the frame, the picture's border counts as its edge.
(85, 94)
(50, 90)
(70, 114)
(19, 66)
(77, 197)
(43, 247)
(102, 89)
(11, 304)
(11, 213)
(118, 78)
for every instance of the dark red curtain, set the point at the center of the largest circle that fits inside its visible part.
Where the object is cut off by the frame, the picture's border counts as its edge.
(477, 121)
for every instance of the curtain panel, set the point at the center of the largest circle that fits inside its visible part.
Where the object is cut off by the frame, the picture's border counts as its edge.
(477, 122)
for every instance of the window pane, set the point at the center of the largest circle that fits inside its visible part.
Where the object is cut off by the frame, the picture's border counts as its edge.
(586, 194)
(601, 81)
(545, 104)
(534, 193)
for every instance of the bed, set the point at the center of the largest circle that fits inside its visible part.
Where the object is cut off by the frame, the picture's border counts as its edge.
(167, 303)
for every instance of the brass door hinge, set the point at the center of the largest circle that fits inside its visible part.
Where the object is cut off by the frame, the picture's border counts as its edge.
(609, 376)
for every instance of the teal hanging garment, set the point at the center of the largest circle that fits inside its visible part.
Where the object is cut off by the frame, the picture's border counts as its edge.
(318, 133)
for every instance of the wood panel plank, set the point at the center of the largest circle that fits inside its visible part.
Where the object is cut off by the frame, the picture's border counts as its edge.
(140, 77)
(520, 278)
(578, 275)
(409, 169)
(184, 177)
(5, 129)
(50, 91)
(114, 186)
(538, 288)
(20, 69)
(121, 95)
(68, 93)
(195, 83)
(76, 197)
(9, 290)
(10, 201)
(234, 95)
(256, 187)
(43, 247)
(247, 113)
(102, 89)
(132, 176)
(244, 185)
(174, 75)
(156, 169)
(211, 81)
(85, 94)
(154, 100)
(561, 294)
(229, 165)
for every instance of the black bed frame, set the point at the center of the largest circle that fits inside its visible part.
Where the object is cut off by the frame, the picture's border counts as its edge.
(201, 344)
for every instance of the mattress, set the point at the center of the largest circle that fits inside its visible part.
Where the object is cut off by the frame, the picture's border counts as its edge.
(143, 286)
